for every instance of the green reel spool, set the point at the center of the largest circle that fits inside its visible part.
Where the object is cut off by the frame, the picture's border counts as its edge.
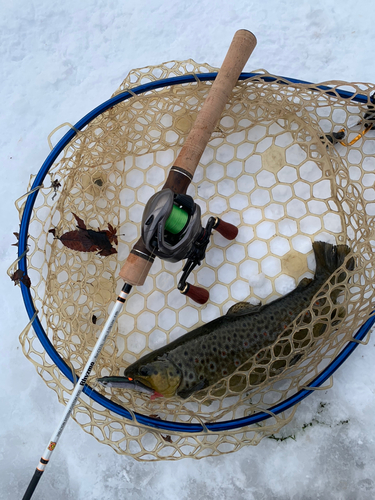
(177, 220)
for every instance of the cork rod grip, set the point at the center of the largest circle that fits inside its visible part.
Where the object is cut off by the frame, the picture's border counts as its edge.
(138, 264)
(240, 49)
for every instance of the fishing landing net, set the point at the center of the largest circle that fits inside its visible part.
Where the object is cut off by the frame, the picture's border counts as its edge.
(271, 170)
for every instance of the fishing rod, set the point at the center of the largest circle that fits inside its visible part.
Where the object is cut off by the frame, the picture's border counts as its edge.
(171, 226)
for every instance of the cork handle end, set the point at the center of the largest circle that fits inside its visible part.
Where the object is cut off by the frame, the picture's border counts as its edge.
(240, 49)
(135, 270)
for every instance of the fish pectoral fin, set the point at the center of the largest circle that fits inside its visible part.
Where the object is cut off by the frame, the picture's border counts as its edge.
(242, 308)
(185, 393)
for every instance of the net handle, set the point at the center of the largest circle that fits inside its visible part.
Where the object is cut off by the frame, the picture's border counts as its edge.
(139, 261)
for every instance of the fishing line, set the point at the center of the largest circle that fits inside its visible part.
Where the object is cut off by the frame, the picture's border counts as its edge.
(177, 220)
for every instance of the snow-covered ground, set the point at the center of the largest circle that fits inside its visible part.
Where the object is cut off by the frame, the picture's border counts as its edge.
(58, 61)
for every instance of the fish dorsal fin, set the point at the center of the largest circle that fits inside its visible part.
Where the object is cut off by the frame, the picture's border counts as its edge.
(242, 308)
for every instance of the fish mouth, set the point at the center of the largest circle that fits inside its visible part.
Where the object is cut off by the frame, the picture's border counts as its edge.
(166, 392)
(159, 376)
(142, 380)
(137, 376)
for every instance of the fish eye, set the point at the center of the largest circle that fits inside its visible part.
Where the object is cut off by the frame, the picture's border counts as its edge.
(144, 370)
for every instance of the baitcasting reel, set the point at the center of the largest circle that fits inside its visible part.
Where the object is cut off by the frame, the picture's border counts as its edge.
(172, 230)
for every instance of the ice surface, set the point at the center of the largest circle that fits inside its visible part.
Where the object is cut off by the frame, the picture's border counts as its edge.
(58, 61)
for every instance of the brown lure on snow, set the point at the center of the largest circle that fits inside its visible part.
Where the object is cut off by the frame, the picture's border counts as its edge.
(202, 357)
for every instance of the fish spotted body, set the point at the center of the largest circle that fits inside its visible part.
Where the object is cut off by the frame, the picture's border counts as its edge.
(202, 357)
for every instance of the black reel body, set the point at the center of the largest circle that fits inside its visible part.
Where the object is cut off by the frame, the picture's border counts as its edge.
(157, 224)
(172, 230)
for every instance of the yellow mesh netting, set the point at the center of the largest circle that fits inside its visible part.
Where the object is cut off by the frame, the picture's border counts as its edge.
(269, 170)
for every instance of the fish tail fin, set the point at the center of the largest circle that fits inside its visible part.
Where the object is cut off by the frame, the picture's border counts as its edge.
(329, 257)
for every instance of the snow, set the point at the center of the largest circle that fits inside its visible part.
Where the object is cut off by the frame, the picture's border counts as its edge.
(58, 61)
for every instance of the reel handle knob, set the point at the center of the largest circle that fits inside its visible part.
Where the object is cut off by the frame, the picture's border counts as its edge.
(229, 231)
(196, 293)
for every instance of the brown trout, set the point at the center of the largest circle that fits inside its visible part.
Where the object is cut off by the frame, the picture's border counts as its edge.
(202, 357)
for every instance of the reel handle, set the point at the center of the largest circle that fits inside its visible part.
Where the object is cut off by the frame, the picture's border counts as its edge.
(196, 293)
(138, 264)
(229, 231)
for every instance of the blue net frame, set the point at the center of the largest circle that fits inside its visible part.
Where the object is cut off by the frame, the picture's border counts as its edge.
(39, 330)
